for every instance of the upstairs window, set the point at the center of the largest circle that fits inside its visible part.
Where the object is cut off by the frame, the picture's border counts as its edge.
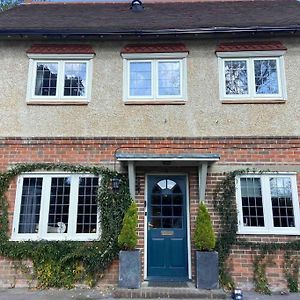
(268, 204)
(256, 75)
(56, 207)
(59, 78)
(154, 77)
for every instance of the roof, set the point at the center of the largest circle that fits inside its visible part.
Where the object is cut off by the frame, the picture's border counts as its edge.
(176, 18)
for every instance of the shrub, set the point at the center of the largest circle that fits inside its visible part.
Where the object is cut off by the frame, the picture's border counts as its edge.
(127, 239)
(204, 236)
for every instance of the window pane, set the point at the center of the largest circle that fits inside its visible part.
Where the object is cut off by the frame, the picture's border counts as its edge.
(252, 209)
(75, 79)
(59, 205)
(169, 78)
(282, 203)
(30, 205)
(46, 79)
(266, 81)
(236, 78)
(140, 79)
(87, 205)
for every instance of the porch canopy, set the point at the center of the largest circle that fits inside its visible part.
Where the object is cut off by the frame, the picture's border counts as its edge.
(201, 160)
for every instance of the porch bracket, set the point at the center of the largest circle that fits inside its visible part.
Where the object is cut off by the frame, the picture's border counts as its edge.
(131, 178)
(202, 174)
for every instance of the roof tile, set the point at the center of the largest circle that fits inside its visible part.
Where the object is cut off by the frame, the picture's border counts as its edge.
(60, 49)
(154, 48)
(251, 46)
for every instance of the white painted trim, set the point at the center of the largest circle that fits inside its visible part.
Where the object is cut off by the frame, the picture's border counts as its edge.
(128, 68)
(154, 59)
(60, 56)
(250, 57)
(17, 208)
(188, 232)
(44, 209)
(156, 77)
(251, 53)
(267, 207)
(59, 98)
(188, 225)
(154, 55)
(146, 228)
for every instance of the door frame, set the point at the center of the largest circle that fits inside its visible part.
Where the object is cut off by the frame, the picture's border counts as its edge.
(188, 230)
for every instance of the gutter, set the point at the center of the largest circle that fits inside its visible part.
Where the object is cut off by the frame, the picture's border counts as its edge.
(147, 33)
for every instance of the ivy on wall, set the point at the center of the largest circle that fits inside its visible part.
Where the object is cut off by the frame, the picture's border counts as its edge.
(62, 263)
(225, 204)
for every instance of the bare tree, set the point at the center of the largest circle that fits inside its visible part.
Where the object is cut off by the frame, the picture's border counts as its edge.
(6, 4)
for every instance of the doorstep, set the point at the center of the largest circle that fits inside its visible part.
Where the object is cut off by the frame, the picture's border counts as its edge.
(169, 291)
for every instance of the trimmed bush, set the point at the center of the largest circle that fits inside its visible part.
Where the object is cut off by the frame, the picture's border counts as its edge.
(127, 239)
(204, 236)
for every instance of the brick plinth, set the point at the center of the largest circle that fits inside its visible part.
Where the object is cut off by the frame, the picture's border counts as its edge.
(281, 154)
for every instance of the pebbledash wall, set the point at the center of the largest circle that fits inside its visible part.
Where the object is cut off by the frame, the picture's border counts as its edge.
(274, 154)
(203, 114)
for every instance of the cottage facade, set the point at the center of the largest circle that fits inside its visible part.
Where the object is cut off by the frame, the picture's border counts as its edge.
(176, 95)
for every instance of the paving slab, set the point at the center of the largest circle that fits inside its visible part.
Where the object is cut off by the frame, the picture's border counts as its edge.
(52, 294)
(277, 296)
(96, 294)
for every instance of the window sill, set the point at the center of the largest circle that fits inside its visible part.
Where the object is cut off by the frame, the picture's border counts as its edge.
(57, 102)
(155, 102)
(253, 101)
(266, 232)
(53, 238)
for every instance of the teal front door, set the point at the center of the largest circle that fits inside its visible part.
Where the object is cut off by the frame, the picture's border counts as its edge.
(167, 255)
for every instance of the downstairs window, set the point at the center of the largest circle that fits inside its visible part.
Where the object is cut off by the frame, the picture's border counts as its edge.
(56, 206)
(268, 204)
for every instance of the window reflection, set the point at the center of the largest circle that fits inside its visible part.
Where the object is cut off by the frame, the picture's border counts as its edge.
(166, 205)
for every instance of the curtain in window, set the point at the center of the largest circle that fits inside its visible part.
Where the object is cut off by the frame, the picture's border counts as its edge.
(30, 205)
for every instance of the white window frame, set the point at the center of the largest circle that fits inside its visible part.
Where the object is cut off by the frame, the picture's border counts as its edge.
(267, 206)
(44, 210)
(250, 57)
(61, 60)
(154, 59)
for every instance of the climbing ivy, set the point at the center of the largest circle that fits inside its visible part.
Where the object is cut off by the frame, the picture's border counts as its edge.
(62, 263)
(291, 270)
(259, 269)
(225, 204)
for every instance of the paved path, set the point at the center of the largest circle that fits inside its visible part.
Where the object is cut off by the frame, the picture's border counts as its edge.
(93, 294)
(255, 296)
(52, 294)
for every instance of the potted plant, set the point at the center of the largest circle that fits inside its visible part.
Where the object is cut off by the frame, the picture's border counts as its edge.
(129, 257)
(207, 263)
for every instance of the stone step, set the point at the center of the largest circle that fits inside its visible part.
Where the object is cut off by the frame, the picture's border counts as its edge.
(169, 292)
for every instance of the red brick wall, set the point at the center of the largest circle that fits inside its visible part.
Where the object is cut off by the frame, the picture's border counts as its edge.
(235, 152)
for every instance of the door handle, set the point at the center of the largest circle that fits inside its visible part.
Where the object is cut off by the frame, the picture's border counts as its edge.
(150, 225)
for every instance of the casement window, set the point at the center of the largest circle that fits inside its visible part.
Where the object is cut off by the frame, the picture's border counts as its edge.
(60, 77)
(154, 77)
(252, 76)
(268, 204)
(56, 206)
